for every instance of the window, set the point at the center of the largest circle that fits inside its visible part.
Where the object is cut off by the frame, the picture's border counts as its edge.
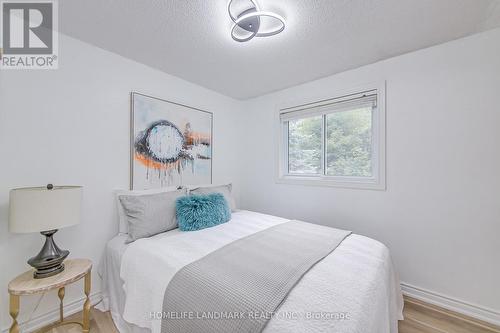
(334, 142)
(305, 145)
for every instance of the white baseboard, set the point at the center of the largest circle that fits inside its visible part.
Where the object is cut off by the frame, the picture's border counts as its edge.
(53, 316)
(462, 307)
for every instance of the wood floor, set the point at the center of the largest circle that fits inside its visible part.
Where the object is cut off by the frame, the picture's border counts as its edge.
(100, 322)
(419, 318)
(427, 318)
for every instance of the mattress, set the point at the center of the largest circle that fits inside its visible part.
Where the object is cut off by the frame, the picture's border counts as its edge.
(354, 289)
(113, 295)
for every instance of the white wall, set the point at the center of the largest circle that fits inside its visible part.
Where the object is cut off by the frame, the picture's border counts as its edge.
(440, 214)
(71, 126)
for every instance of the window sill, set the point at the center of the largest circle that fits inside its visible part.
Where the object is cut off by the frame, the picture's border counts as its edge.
(351, 183)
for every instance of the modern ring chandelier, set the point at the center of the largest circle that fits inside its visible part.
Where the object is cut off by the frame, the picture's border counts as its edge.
(248, 23)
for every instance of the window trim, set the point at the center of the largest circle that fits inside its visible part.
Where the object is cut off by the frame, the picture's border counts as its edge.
(376, 182)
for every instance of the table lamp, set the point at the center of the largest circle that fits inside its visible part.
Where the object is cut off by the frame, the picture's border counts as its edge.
(45, 209)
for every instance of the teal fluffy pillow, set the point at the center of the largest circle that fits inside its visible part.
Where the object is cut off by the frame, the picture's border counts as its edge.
(196, 212)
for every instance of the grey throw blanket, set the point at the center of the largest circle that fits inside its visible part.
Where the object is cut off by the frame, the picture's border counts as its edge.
(238, 287)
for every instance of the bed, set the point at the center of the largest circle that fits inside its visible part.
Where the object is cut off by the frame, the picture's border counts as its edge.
(353, 289)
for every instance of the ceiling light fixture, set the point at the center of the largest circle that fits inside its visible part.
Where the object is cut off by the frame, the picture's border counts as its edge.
(249, 21)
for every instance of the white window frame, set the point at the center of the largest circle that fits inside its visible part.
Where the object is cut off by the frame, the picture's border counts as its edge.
(376, 182)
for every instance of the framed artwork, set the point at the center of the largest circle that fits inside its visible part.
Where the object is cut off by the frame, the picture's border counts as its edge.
(171, 144)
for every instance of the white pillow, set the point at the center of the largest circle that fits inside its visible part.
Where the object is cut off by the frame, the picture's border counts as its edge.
(122, 217)
(148, 215)
(225, 190)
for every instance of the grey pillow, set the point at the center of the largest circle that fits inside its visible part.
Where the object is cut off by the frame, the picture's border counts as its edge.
(225, 190)
(148, 215)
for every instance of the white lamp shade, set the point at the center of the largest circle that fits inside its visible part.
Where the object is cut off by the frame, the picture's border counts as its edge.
(35, 209)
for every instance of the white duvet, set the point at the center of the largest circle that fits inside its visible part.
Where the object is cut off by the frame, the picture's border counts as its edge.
(354, 289)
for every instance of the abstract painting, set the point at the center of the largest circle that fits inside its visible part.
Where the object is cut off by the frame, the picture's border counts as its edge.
(171, 144)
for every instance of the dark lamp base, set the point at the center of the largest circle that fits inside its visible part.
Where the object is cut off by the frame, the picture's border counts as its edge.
(49, 261)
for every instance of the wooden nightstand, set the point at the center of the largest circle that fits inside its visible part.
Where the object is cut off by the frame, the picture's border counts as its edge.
(25, 284)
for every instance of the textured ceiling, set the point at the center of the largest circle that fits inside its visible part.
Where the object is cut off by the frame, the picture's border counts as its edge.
(190, 38)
